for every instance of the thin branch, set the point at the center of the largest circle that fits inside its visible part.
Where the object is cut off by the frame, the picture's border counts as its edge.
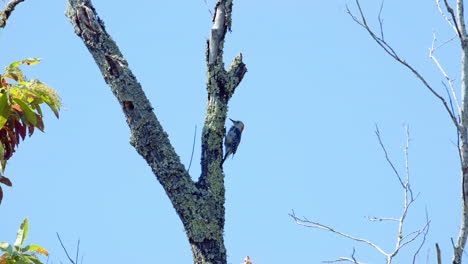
(66, 252)
(390, 51)
(208, 7)
(380, 219)
(381, 20)
(423, 240)
(193, 148)
(377, 133)
(77, 251)
(451, 21)
(312, 224)
(450, 99)
(444, 73)
(439, 254)
(406, 150)
(343, 259)
(9, 8)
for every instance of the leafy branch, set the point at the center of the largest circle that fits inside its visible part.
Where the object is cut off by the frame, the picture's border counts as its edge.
(20, 110)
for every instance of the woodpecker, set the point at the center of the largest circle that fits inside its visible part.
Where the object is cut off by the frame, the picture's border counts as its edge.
(233, 138)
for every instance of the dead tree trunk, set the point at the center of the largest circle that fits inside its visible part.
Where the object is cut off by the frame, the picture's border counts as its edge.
(200, 205)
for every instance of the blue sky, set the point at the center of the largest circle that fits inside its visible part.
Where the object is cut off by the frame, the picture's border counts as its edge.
(316, 86)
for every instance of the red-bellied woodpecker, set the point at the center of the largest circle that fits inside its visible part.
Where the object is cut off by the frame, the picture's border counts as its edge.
(233, 138)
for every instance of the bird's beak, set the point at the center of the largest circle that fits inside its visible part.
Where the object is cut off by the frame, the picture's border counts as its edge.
(232, 120)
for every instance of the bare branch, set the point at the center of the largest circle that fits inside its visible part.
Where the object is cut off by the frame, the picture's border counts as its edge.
(9, 8)
(343, 259)
(453, 21)
(401, 239)
(444, 73)
(312, 224)
(381, 20)
(64, 249)
(439, 254)
(377, 133)
(390, 51)
(380, 219)
(423, 240)
(406, 150)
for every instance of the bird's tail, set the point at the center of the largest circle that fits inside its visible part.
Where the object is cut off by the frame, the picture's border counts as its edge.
(225, 157)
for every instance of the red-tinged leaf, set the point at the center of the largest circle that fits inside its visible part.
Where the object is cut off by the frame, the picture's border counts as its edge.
(20, 129)
(11, 136)
(31, 61)
(39, 123)
(5, 181)
(17, 108)
(31, 130)
(4, 83)
(8, 151)
(35, 248)
(11, 75)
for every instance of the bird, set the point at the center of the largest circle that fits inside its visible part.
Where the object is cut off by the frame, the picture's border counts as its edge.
(233, 138)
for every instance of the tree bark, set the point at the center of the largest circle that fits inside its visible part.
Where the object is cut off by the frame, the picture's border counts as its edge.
(462, 130)
(200, 205)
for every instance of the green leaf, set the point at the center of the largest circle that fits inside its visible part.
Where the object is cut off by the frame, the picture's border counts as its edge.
(35, 248)
(4, 109)
(30, 115)
(15, 64)
(22, 233)
(22, 260)
(4, 246)
(33, 259)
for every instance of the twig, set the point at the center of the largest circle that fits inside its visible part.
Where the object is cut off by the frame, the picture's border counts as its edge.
(423, 240)
(208, 7)
(444, 73)
(406, 149)
(439, 254)
(380, 219)
(442, 13)
(193, 148)
(9, 8)
(401, 239)
(381, 20)
(66, 252)
(390, 51)
(312, 224)
(377, 133)
(77, 251)
(343, 259)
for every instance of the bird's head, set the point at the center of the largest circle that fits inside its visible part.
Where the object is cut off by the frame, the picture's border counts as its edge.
(238, 124)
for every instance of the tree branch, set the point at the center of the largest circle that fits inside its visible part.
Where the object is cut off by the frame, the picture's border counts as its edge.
(199, 205)
(221, 85)
(401, 239)
(147, 134)
(312, 224)
(461, 18)
(444, 73)
(390, 51)
(9, 8)
(452, 15)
